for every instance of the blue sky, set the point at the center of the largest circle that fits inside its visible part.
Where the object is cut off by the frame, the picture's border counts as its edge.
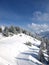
(25, 13)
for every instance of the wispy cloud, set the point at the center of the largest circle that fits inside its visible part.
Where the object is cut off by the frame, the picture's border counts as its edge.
(39, 27)
(41, 17)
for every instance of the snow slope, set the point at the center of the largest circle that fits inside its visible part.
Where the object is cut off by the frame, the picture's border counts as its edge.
(13, 51)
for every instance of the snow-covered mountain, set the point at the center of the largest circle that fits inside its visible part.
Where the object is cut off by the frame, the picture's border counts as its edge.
(15, 51)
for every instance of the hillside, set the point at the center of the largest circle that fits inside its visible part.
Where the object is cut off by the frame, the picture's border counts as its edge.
(15, 51)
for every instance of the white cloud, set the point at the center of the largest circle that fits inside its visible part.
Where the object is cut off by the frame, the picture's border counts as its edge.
(39, 16)
(38, 27)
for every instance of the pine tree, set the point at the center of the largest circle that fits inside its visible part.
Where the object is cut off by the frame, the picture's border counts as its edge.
(0, 29)
(6, 32)
(12, 30)
(42, 47)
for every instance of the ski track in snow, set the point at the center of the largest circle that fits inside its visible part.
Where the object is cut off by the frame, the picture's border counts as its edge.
(13, 51)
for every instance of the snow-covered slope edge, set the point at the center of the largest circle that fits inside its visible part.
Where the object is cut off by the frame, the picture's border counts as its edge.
(13, 48)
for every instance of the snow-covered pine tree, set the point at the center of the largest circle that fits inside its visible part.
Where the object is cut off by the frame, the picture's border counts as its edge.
(12, 30)
(5, 32)
(42, 47)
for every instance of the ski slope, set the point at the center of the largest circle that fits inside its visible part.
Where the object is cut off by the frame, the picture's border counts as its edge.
(13, 51)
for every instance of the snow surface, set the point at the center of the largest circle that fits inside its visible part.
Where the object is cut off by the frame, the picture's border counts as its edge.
(13, 51)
